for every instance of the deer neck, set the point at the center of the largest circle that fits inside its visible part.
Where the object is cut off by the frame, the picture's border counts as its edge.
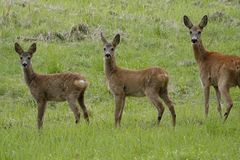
(199, 51)
(110, 66)
(29, 74)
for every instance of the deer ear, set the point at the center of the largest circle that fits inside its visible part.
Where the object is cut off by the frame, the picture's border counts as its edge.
(32, 48)
(18, 48)
(116, 40)
(103, 38)
(203, 22)
(187, 22)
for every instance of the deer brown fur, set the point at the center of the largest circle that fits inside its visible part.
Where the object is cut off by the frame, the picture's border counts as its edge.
(217, 70)
(68, 87)
(151, 82)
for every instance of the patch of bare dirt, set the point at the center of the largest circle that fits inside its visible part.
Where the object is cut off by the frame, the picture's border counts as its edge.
(77, 32)
(221, 16)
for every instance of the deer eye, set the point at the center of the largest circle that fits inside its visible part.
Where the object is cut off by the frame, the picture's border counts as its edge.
(190, 32)
(112, 49)
(104, 49)
(20, 57)
(199, 32)
(29, 58)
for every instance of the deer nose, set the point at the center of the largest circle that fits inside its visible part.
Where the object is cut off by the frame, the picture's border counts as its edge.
(108, 55)
(24, 64)
(194, 40)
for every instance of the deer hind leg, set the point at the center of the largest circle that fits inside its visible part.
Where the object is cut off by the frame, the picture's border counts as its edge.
(218, 97)
(119, 105)
(206, 96)
(154, 98)
(72, 101)
(41, 109)
(169, 103)
(224, 90)
(82, 105)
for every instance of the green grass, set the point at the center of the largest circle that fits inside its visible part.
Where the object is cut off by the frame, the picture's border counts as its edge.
(153, 34)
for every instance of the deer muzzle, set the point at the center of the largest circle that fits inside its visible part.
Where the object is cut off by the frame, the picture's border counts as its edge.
(194, 39)
(24, 64)
(108, 55)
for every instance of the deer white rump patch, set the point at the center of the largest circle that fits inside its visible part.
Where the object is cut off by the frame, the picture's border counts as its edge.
(163, 76)
(81, 83)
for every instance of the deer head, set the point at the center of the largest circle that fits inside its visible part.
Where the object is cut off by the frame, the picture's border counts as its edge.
(109, 48)
(195, 31)
(25, 57)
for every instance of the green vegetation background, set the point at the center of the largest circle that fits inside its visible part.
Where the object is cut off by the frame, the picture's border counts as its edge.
(152, 34)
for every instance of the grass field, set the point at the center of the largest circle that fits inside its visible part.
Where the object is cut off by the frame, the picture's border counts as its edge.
(152, 34)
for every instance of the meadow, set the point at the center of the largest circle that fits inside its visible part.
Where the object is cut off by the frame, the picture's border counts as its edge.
(152, 34)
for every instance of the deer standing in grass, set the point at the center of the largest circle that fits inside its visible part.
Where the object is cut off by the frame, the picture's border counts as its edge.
(68, 87)
(151, 82)
(217, 70)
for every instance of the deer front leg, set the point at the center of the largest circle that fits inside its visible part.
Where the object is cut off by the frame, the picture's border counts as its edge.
(218, 97)
(119, 105)
(206, 97)
(122, 108)
(41, 109)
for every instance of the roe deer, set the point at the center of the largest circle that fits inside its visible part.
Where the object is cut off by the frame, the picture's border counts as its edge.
(53, 87)
(217, 70)
(151, 82)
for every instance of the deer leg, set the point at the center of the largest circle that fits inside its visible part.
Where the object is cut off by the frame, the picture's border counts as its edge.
(73, 105)
(206, 96)
(169, 103)
(41, 109)
(218, 97)
(82, 105)
(120, 118)
(225, 92)
(119, 105)
(154, 98)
